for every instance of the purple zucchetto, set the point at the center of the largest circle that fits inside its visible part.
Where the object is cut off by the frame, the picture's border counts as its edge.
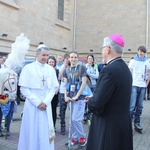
(117, 39)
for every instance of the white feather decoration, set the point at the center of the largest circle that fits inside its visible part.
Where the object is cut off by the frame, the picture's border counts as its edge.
(18, 51)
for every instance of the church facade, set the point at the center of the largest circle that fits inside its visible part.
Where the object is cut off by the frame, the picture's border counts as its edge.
(97, 19)
(66, 25)
(48, 22)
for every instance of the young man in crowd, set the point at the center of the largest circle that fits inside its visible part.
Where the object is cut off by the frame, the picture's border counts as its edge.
(59, 62)
(72, 75)
(140, 69)
(63, 104)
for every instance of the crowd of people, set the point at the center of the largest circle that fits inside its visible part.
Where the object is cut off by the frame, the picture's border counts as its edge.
(115, 98)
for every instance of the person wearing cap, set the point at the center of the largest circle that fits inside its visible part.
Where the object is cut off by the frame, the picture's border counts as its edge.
(37, 83)
(140, 69)
(111, 127)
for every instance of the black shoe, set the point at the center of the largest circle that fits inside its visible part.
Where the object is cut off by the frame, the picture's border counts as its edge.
(137, 126)
(1, 134)
(18, 101)
(8, 133)
(63, 130)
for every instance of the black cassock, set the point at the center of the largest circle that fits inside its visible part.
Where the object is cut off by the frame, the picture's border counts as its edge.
(111, 125)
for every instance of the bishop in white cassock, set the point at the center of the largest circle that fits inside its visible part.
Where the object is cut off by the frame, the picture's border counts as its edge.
(38, 82)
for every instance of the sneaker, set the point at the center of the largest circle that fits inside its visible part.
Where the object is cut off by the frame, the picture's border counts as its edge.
(82, 141)
(73, 142)
(137, 125)
(63, 130)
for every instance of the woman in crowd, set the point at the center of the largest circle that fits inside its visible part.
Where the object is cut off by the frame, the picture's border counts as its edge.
(93, 74)
(52, 62)
(92, 71)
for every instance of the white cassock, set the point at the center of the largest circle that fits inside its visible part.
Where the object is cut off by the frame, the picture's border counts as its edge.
(38, 82)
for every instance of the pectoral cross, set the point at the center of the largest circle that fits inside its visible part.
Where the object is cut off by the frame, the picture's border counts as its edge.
(43, 80)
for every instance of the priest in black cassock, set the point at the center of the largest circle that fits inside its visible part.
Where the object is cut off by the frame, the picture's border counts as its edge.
(111, 125)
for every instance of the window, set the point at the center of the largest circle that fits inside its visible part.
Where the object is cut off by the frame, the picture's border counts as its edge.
(64, 13)
(61, 9)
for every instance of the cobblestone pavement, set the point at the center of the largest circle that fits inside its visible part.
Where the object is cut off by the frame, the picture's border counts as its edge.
(141, 141)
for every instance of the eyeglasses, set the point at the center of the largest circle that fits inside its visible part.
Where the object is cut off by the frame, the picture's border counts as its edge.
(104, 47)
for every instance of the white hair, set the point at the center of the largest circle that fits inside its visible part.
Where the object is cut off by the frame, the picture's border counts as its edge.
(114, 46)
(42, 47)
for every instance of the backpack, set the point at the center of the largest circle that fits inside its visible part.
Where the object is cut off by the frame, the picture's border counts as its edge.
(88, 81)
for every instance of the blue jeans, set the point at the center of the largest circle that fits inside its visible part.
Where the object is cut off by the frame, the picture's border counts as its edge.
(136, 102)
(8, 117)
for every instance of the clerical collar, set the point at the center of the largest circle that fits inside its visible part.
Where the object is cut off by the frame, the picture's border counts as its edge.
(112, 60)
(40, 64)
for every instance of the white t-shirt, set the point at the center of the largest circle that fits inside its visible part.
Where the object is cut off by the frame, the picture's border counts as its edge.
(139, 72)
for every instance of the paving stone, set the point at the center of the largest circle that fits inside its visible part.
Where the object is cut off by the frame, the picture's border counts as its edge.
(140, 141)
